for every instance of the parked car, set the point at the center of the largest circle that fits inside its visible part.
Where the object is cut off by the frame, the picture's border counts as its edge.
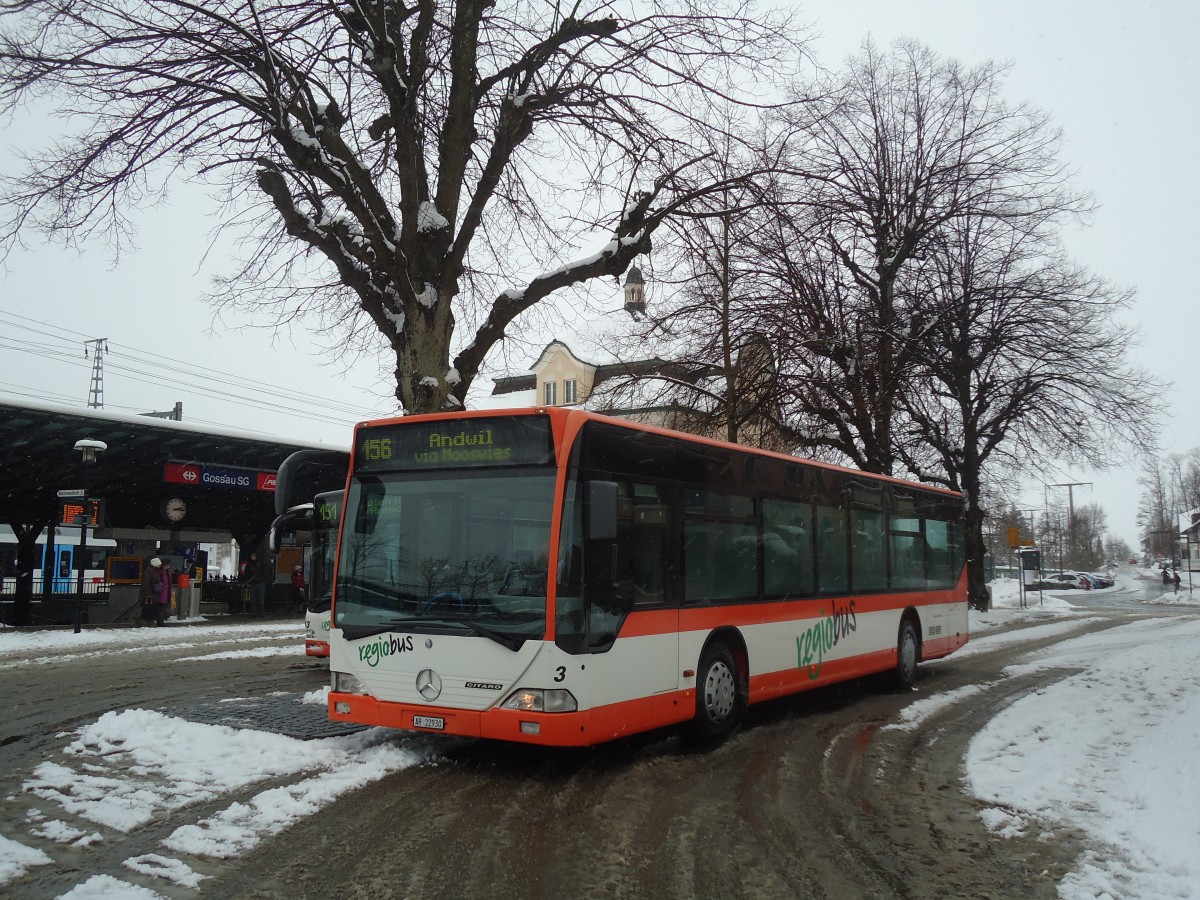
(1060, 581)
(1100, 581)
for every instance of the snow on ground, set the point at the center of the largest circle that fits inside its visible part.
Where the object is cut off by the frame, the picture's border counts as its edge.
(1105, 747)
(16, 859)
(33, 646)
(135, 766)
(1107, 750)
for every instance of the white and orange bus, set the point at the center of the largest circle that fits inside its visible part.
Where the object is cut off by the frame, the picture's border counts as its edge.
(556, 577)
(299, 508)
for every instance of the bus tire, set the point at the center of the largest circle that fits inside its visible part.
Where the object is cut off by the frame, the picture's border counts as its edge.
(719, 697)
(908, 654)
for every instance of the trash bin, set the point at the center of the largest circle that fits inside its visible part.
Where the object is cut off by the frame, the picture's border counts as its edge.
(187, 598)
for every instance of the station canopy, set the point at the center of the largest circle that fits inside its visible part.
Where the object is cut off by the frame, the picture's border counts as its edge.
(211, 478)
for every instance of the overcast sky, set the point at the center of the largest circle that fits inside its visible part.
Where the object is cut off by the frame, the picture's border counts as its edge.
(1118, 77)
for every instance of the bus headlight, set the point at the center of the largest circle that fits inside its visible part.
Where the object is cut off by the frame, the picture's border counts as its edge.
(345, 683)
(538, 700)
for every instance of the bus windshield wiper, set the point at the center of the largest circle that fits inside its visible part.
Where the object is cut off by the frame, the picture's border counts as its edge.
(356, 632)
(512, 642)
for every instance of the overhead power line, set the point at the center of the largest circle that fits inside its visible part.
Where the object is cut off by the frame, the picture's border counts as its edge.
(160, 370)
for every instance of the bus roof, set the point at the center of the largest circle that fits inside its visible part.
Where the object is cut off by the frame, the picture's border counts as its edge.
(573, 418)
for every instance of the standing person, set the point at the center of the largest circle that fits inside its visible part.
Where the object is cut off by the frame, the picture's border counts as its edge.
(148, 613)
(298, 586)
(258, 573)
(1175, 579)
(158, 593)
(1166, 577)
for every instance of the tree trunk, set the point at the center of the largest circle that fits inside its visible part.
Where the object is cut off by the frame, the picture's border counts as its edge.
(27, 536)
(424, 382)
(977, 594)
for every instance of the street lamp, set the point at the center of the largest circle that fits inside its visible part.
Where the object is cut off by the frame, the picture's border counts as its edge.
(89, 448)
(635, 293)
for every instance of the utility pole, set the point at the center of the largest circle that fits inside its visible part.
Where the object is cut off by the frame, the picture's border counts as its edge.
(1031, 511)
(1070, 486)
(96, 394)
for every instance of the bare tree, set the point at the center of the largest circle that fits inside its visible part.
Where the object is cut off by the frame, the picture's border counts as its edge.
(389, 161)
(1117, 550)
(1156, 510)
(900, 145)
(1005, 364)
(1088, 528)
(1170, 492)
(929, 317)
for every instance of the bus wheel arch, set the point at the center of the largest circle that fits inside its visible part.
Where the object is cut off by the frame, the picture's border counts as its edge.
(722, 686)
(908, 650)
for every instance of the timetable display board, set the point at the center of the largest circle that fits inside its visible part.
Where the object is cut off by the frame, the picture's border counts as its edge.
(70, 512)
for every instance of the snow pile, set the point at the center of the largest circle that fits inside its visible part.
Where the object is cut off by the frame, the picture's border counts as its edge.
(16, 859)
(176, 763)
(28, 645)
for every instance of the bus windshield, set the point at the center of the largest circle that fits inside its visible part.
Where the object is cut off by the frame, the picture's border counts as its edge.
(458, 552)
(326, 515)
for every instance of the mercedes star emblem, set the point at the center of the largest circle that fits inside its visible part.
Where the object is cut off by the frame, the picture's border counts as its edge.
(429, 685)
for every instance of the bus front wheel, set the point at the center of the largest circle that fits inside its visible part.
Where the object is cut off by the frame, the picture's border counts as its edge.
(719, 702)
(908, 654)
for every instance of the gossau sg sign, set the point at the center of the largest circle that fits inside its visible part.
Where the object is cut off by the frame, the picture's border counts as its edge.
(218, 476)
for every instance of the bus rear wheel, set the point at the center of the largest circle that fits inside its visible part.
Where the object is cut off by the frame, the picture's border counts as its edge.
(908, 654)
(719, 699)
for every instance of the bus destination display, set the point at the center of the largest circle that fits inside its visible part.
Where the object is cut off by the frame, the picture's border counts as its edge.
(464, 443)
(327, 512)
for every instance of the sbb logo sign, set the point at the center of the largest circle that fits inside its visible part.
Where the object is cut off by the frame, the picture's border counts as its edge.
(183, 473)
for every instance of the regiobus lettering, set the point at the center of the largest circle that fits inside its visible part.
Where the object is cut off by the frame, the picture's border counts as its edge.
(823, 637)
(557, 577)
(373, 652)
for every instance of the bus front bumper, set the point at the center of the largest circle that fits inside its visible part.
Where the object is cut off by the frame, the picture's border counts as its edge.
(548, 729)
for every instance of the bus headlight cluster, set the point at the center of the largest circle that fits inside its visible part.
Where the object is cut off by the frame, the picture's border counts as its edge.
(345, 683)
(539, 700)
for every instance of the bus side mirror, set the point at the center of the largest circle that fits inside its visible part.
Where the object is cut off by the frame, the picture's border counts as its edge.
(601, 511)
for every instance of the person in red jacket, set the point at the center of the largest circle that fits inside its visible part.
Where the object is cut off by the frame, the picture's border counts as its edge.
(298, 586)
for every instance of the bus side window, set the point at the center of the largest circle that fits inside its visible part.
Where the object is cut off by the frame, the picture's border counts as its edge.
(787, 548)
(833, 559)
(720, 547)
(870, 567)
(908, 552)
(941, 553)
